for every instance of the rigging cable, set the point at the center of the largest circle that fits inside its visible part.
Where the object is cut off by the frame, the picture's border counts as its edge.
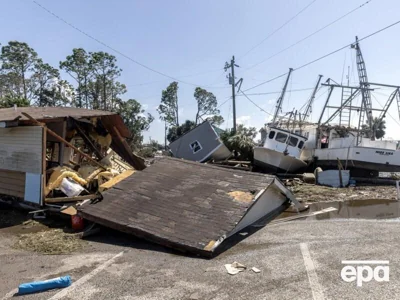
(325, 56)
(279, 28)
(308, 36)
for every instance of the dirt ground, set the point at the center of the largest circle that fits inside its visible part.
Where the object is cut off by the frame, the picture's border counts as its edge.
(47, 236)
(317, 193)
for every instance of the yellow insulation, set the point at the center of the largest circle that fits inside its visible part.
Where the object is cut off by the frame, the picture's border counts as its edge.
(58, 175)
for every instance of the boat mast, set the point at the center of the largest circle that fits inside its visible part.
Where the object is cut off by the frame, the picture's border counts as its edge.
(366, 107)
(281, 97)
(307, 113)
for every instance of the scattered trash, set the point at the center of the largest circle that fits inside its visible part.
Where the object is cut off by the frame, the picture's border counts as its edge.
(77, 223)
(39, 286)
(235, 268)
(255, 270)
(70, 188)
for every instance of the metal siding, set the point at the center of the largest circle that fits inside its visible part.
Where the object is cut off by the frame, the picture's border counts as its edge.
(21, 149)
(204, 134)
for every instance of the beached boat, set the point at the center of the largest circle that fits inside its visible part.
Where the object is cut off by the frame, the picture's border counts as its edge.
(280, 152)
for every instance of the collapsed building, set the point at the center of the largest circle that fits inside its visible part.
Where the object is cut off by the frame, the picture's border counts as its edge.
(54, 154)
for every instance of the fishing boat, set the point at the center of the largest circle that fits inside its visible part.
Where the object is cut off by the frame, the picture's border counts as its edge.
(356, 147)
(281, 148)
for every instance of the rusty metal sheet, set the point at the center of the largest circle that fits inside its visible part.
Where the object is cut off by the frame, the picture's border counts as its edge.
(177, 203)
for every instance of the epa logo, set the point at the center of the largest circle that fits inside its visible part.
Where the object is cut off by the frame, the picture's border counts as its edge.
(365, 270)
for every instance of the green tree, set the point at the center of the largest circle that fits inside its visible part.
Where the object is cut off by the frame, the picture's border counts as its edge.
(42, 82)
(10, 86)
(206, 103)
(78, 67)
(241, 142)
(135, 119)
(379, 127)
(18, 58)
(105, 69)
(177, 131)
(216, 120)
(168, 109)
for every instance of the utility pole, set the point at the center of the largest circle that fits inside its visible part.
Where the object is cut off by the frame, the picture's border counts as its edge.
(165, 135)
(232, 82)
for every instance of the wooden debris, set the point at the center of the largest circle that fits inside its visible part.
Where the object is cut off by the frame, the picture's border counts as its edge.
(70, 210)
(59, 138)
(109, 184)
(70, 199)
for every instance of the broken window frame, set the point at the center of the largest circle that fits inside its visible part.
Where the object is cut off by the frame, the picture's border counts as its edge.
(195, 146)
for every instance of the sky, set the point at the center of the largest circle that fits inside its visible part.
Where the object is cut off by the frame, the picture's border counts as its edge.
(191, 40)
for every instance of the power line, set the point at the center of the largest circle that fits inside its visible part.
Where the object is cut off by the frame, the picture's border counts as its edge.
(278, 92)
(255, 104)
(265, 82)
(279, 28)
(119, 52)
(308, 36)
(324, 56)
(346, 46)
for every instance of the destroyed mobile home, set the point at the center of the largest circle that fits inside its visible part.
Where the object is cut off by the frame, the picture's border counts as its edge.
(201, 144)
(58, 155)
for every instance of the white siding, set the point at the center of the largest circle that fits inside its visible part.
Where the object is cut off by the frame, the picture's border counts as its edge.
(21, 149)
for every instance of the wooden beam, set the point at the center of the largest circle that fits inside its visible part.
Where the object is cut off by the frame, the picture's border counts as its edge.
(113, 181)
(71, 199)
(87, 140)
(64, 141)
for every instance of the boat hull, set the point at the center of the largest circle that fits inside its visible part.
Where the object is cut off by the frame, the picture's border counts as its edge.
(276, 162)
(364, 158)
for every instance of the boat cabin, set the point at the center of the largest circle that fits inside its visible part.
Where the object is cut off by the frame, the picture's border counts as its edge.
(284, 141)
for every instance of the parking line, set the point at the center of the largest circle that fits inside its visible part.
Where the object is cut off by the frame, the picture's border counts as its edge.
(63, 293)
(316, 288)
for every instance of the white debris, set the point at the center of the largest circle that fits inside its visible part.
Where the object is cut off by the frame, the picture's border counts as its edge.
(235, 268)
(255, 270)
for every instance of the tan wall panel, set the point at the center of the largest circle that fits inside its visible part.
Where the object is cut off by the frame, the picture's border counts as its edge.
(21, 149)
(12, 183)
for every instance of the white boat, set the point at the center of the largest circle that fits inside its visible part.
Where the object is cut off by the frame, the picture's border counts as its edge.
(281, 149)
(365, 158)
(357, 147)
(280, 152)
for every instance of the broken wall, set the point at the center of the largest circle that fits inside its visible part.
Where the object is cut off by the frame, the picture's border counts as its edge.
(21, 162)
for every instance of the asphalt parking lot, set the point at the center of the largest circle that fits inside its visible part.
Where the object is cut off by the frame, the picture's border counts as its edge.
(298, 260)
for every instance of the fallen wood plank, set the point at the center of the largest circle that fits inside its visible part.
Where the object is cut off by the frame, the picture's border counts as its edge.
(70, 199)
(69, 211)
(113, 181)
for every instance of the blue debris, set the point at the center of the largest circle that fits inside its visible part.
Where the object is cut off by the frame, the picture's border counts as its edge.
(39, 286)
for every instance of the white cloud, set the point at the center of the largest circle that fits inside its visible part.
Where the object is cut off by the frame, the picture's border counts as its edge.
(180, 111)
(245, 120)
(145, 106)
